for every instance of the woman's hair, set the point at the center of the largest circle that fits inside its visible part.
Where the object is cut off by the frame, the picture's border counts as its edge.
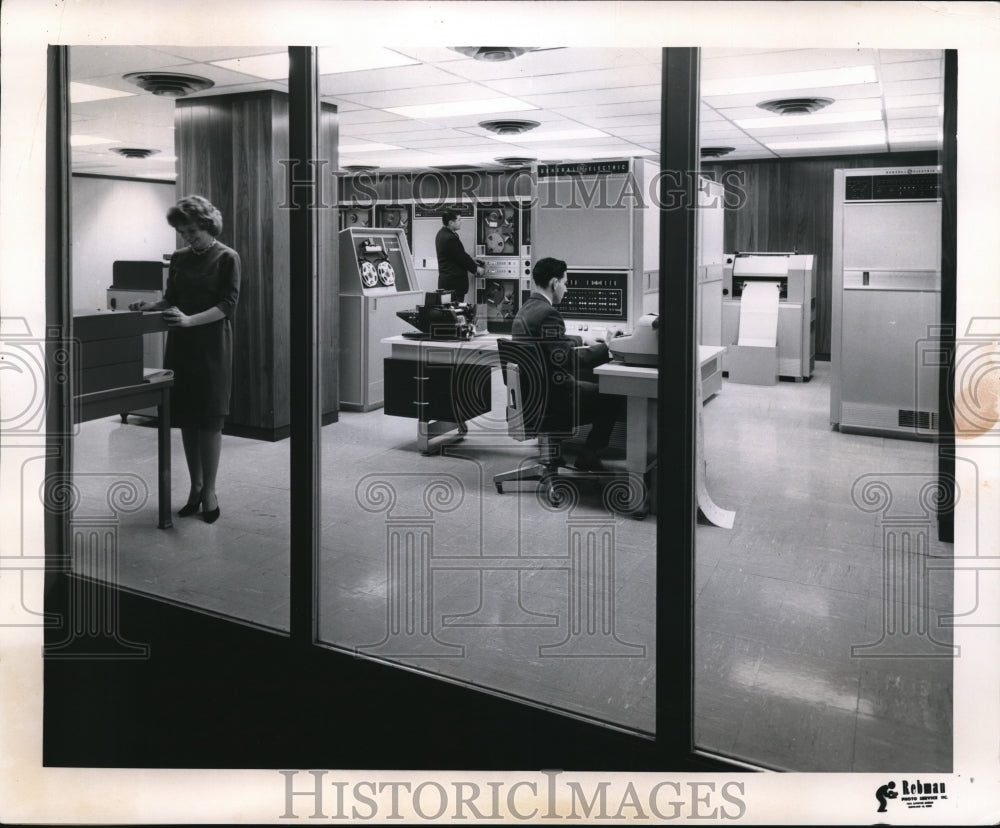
(197, 210)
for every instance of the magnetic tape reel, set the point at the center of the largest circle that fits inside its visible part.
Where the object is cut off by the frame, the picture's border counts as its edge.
(495, 242)
(369, 275)
(375, 266)
(386, 274)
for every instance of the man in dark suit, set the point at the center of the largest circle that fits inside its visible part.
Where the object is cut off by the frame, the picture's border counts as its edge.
(454, 264)
(538, 319)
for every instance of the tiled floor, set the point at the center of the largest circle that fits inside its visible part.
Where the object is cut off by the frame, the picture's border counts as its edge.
(426, 564)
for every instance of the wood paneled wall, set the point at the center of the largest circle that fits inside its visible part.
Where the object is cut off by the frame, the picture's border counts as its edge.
(230, 149)
(788, 205)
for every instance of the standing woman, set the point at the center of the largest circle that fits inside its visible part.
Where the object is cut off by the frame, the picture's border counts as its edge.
(203, 287)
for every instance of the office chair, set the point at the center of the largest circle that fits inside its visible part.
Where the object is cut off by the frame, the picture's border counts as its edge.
(540, 404)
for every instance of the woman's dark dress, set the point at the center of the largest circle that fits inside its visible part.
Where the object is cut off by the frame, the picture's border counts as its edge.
(201, 356)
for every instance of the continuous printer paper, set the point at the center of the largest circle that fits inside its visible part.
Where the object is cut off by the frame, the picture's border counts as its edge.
(759, 315)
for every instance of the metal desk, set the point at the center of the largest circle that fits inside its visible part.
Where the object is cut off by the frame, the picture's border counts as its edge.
(131, 398)
(482, 350)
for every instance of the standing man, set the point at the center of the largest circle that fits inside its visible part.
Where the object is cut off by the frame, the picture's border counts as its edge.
(454, 264)
(538, 319)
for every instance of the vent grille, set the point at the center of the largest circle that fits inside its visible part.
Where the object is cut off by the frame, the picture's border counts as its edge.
(923, 420)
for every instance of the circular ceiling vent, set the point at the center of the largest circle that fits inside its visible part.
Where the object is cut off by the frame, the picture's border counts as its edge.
(508, 126)
(169, 84)
(795, 106)
(359, 167)
(715, 152)
(492, 54)
(134, 152)
(515, 161)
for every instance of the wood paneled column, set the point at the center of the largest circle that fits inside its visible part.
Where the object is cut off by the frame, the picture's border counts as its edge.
(231, 149)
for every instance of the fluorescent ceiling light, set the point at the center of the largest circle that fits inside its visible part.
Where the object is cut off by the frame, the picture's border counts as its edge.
(552, 135)
(372, 146)
(816, 79)
(332, 60)
(89, 140)
(818, 118)
(858, 139)
(486, 106)
(84, 92)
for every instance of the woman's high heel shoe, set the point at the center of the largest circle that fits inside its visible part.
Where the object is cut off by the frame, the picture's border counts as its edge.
(190, 509)
(211, 515)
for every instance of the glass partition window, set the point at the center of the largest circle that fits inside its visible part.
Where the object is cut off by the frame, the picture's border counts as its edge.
(434, 556)
(134, 154)
(819, 644)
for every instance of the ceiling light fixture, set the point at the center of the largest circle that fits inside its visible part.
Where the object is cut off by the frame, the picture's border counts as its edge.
(508, 126)
(492, 54)
(359, 167)
(515, 161)
(134, 152)
(795, 106)
(715, 152)
(169, 84)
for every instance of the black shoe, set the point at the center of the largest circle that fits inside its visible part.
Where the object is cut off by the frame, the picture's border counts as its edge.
(212, 515)
(587, 460)
(189, 509)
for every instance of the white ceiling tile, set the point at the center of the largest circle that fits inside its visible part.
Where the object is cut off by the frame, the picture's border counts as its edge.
(402, 127)
(596, 97)
(899, 89)
(550, 62)
(367, 116)
(643, 75)
(908, 55)
(901, 101)
(100, 61)
(430, 54)
(585, 114)
(379, 80)
(904, 113)
(913, 70)
(782, 62)
(639, 133)
(859, 91)
(617, 90)
(429, 95)
(627, 120)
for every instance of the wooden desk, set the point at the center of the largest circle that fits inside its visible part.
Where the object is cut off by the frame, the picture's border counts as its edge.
(427, 394)
(131, 398)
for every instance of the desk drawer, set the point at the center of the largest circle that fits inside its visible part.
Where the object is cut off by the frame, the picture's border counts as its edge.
(440, 391)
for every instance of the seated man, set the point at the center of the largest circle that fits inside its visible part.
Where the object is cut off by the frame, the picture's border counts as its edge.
(538, 319)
